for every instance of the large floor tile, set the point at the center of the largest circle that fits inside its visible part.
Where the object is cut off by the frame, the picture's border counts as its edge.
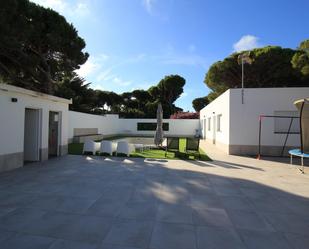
(205, 201)
(130, 233)
(262, 240)
(236, 203)
(20, 219)
(14, 199)
(175, 214)
(228, 191)
(218, 238)
(289, 223)
(249, 220)
(298, 241)
(270, 204)
(22, 241)
(69, 244)
(86, 228)
(52, 224)
(139, 211)
(173, 236)
(211, 217)
(111, 246)
(109, 207)
(5, 235)
(68, 204)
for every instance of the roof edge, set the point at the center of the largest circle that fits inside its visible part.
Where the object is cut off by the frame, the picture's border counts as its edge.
(14, 89)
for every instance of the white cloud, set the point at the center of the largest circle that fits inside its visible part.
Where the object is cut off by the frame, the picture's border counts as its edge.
(105, 75)
(189, 57)
(246, 42)
(92, 65)
(88, 68)
(120, 82)
(188, 60)
(183, 95)
(80, 8)
(149, 4)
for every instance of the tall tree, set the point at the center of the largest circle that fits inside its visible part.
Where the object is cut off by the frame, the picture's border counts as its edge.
(168, 91)
(271, 67)
(77, 89)
(300, 61)
(199, 103)
(38, 47)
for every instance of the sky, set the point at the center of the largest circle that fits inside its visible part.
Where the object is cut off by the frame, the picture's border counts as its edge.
(133, 44)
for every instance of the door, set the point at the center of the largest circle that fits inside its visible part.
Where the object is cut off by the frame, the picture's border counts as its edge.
(204, 128)
(214, 130)
(32, 135)
(53, 134)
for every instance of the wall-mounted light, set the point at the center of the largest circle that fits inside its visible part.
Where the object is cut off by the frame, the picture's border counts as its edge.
(14, 100)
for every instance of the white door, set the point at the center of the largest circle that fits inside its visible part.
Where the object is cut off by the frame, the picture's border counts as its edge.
(32, 135)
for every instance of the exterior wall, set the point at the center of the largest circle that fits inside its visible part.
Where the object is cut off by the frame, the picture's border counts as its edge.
(12, 119)
(239, 133)
(110, 125)
(177, 127)
(107, 125)
(244, 119)
(220, 106)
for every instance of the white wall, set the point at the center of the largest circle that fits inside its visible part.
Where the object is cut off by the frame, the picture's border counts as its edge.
(181, 127)
(106, 125)
(241, 121)
(220, 106)
(259, 101)
(12, 117)
(113, 125)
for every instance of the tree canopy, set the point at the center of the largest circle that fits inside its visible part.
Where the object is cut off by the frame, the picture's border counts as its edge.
(38, 47)
(136, 104)
(271, 66)
(199, 103)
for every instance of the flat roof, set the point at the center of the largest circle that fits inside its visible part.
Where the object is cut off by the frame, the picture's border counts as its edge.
(23, 91)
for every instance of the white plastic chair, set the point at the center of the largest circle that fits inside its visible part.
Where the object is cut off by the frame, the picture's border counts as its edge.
(107, 147)
(90, 146)
(123, 147)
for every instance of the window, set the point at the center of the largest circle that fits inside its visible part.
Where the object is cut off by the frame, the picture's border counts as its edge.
(282, 124)
(219, 120)
(151, 126)
(209, 124)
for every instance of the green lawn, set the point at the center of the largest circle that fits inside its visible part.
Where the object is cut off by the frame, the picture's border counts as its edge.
(77, 149)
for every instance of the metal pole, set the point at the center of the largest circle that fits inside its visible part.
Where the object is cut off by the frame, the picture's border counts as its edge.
(242, 80)
(286, 138)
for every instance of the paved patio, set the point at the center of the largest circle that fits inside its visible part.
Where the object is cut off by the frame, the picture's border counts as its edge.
(97, 203)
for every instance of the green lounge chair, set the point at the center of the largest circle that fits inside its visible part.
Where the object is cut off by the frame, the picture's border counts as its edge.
(172, 144)
(192, 146)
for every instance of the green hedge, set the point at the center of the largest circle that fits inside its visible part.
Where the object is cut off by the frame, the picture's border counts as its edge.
(151, 126)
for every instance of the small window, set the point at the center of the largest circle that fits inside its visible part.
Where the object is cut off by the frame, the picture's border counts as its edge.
(209, 124)
(219, 120)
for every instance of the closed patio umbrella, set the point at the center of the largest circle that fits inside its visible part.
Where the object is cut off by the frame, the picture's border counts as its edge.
(158, 139)
(303, 107)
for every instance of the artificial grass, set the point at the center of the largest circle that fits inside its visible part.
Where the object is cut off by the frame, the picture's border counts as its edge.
(77, 149)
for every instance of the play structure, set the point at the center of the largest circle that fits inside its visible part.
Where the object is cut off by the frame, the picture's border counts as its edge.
(291, 119)
(302, 152)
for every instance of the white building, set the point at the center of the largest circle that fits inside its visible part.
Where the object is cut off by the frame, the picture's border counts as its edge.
(233, 126)
(111, 125)
(33, 126)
